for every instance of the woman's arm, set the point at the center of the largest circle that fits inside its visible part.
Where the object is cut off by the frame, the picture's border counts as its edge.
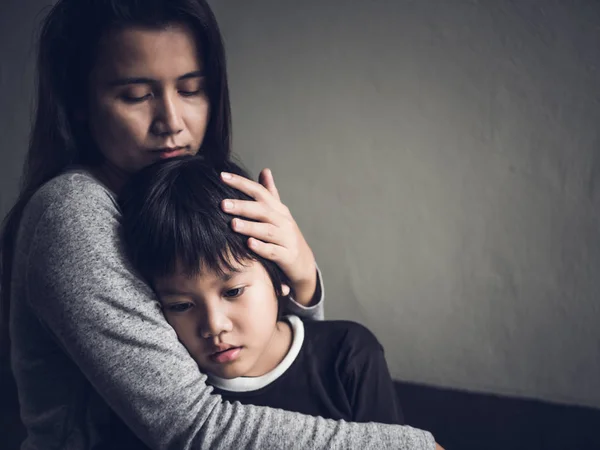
(313, 311)
(108, 322)
(272, 231)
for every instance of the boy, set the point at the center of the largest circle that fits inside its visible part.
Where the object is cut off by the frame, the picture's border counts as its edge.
(223, 301)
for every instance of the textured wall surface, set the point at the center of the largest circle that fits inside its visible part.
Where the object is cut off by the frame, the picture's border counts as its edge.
(18, 21)
(442, 158)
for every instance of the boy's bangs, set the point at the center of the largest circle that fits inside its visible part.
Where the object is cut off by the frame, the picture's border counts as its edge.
(212, 256)
(193, 243)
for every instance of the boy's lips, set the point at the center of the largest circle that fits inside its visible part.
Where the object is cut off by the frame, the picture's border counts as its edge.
(225, 353)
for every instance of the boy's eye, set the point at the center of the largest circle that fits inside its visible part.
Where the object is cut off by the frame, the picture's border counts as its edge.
(232, 293)
(179, 307)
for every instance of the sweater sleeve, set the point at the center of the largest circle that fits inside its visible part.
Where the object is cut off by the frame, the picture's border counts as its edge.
(313, 312)
(108, 322)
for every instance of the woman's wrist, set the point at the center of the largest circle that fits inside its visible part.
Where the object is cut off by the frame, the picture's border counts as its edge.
(307, 292)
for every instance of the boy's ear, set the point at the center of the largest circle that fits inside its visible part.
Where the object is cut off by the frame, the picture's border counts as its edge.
(285, 289)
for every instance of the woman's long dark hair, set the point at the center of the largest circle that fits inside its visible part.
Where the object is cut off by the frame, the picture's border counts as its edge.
(66, 54)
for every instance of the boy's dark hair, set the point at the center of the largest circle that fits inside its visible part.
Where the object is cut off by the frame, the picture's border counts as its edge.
(172, 220)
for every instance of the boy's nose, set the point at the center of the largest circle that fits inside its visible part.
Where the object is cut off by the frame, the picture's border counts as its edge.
(216, 322)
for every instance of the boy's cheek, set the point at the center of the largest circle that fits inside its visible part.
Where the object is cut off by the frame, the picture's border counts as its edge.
(184, 328)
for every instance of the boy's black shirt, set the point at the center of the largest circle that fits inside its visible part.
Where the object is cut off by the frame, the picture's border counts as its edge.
(339, 373)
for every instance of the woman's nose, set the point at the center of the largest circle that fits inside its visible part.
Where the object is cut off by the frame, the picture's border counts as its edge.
(168, 117)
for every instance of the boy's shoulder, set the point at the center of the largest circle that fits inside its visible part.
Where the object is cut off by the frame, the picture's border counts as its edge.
(340, 336)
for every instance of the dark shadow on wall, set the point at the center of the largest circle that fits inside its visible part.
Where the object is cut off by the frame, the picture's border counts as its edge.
(459, 420)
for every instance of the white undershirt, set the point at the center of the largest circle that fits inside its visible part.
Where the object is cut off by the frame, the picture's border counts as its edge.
(246, 384)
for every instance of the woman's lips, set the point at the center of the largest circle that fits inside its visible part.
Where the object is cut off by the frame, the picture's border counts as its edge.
(229, 355)
(167, 152)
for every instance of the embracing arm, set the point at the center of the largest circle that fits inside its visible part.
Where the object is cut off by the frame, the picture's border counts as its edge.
(313, 311)
(110, 325)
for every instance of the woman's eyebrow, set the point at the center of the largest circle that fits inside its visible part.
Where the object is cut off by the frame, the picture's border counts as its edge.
(130, 80)
(145, 80)
(195, 74)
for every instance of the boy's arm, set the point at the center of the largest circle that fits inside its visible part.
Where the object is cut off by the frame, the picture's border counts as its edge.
(369, 386)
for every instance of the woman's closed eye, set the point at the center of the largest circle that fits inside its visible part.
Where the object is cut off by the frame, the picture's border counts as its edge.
(132, 99)
(128, 98)
(191, 93)
(136, 94)
(192, 87)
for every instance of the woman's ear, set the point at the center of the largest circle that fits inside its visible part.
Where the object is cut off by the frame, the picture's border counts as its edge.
(285, 290)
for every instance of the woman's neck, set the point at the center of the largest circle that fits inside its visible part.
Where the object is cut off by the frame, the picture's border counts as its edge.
(113, 177)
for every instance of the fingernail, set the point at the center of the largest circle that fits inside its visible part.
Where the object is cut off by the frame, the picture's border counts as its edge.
(238, 224)
(226, 175)
(228, 204)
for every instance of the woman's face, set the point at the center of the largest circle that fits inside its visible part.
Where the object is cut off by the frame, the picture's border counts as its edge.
(147, 99)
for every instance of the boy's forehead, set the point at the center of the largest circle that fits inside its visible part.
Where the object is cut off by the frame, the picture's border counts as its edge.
(188, 283)
(223, 272)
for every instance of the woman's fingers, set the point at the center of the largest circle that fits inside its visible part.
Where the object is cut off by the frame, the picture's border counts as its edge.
(265, 232)
(272, 232)
(255, 190)
(268, 251)
(266, 179)
(253, 210)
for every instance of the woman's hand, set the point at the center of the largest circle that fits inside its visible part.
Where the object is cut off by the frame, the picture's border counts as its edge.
(275, 235)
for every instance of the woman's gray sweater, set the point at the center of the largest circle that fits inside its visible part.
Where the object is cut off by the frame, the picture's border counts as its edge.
(87, 334)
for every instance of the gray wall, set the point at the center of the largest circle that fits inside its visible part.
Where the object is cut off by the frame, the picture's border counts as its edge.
(17, 20)
(441, 156)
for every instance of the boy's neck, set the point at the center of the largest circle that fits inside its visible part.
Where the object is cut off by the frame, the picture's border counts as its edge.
(279, 366)
(279, 347)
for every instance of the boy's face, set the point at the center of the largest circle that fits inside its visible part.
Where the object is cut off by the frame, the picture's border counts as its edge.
(228, 324)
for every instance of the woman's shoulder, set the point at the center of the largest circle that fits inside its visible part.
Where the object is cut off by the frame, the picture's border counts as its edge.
(71, 192)
(73, 185)
(70, 206)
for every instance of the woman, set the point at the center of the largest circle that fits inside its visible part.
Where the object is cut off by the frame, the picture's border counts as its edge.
(120, 84)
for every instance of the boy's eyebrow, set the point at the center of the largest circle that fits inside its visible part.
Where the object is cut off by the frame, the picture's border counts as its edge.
(143, 80)
(170, 291)
(227, 276)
